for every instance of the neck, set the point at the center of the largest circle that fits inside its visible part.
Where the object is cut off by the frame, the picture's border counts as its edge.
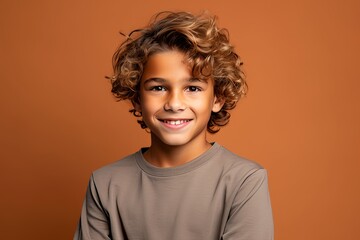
(162, 155)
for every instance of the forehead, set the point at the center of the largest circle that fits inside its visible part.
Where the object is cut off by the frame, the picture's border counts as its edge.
(168, 64)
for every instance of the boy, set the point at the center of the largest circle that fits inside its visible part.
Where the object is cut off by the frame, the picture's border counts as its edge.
(182, 76)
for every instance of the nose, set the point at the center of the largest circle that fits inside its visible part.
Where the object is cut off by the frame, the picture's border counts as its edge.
(175, 102)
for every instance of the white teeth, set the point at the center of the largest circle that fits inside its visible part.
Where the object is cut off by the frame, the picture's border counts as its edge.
(175, 122)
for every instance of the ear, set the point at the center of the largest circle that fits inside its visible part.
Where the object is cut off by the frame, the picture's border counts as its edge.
(136, 104)
(218, 104)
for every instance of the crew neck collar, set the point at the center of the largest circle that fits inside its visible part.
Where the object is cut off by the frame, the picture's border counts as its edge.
(173, 171)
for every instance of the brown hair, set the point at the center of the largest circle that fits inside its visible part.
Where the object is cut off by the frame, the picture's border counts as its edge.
(207, 50)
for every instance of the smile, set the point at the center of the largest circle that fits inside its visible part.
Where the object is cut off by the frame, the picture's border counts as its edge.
(175, 122)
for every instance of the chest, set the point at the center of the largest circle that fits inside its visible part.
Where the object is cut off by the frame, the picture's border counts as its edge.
(192, 204)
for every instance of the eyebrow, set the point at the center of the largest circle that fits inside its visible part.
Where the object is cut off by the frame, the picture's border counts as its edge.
(162, 80)
(197, 80)
(158, 80)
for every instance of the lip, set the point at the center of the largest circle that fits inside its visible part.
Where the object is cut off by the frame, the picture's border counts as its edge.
(177, 123)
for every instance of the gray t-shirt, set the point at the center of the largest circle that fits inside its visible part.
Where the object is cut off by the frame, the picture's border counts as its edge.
(218, 195)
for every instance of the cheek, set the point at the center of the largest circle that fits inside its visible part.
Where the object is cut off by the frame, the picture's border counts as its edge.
(150, 105)
(203, 106)
(204, 102)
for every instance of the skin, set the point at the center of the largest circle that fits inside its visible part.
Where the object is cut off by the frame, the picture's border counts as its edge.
(176, 108)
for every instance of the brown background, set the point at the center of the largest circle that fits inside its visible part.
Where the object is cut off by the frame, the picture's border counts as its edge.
(300, 120)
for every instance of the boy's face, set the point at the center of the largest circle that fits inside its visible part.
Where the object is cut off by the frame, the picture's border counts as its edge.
(175, 106)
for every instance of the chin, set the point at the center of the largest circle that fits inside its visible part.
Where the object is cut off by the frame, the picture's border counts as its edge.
(172, 139)
(174, 142)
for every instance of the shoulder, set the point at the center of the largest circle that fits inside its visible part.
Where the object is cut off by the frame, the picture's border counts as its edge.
(233, 163)
(242, 176)
(235, 171)
(118, 170)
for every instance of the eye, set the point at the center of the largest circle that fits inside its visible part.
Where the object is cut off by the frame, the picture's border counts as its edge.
(193, 89)
(158, 88)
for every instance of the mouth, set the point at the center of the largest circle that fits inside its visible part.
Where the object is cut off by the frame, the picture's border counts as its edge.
(175, 122)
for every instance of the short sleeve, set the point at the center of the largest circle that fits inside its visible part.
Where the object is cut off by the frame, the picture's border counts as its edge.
(250, 216)
(93, 223)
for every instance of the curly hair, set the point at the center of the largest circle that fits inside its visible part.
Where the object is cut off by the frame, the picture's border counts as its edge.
(207, 50)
